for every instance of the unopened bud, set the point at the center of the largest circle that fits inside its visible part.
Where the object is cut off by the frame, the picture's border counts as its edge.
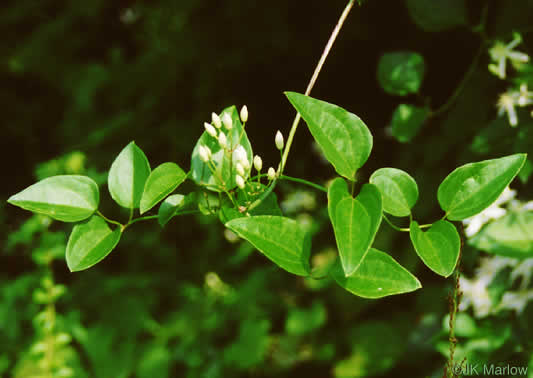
(271, 173)
(245, 163)
(216, 120)
(222, 140)
(227, 121)
(240, 153)
(258, 163)
(240, 169)
(279, 141)
(244, 114)
(204, 152)
(210, 129)
(239, 181)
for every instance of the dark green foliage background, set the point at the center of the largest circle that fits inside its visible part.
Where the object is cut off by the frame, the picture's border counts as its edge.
(76, 77)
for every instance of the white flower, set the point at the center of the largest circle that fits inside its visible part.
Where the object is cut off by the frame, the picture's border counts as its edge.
(524, 97)
(506, 104)
(222, 140)
(258, 163)
(240, 169)
(216, 120)
(205, 153)
(227, 121)
(239, 181)
(500, 52)
(244, 114)
(210, 129)
(271, 173)
(279, 141)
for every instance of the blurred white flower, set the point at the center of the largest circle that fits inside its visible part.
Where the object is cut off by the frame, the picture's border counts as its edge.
(500, 52)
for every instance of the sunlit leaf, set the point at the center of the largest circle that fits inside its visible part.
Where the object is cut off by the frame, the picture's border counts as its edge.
(398, 190)
(337, 191)
(162, 181)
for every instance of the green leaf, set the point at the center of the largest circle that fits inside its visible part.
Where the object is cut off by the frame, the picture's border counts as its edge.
(510, 236)
(68, 198)
(280, 239)
(472, 187)
(225, 167)
(174, 204)
(127, 176)
(398, 190)
(337, 191)
(356, 223)
(253, 190)
(435, 16)
(400, 73)
(342, 136)
(90, 242)
(379, 275)
(407, 121)
(162, 181)
(301, 321)
(438, 247)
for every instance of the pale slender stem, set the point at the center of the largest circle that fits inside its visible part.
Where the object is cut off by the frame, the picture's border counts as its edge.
(302, 181)
(400, 228)
(312, 82)
(109, 220)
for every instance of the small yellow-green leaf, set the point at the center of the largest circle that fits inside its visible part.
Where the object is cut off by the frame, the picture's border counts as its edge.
(128, 175)
(379, 275)
(90, 242)
(438, 247)
(398, 190)
(68, 198)
(162, 181)
(471, 188)
(342, 136)
(280, 239)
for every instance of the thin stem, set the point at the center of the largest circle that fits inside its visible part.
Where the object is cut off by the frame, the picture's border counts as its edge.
(318, 68)
(305, 182)
(109, 220)
(141, 219)
(263, 196)
(401, 228)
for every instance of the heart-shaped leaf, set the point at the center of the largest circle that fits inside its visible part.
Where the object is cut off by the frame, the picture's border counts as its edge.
(90, 242)
(471, 188)
(379, 275)
(162, 181)
(127, 176)
(356, 223)
(406, 121)
(337, 191)
(398, 190)
(68, 198)
(280, 239)
(400, 73)
(438, 247)
(342, 136)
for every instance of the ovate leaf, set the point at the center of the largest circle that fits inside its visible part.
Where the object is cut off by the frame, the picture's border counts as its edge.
(342, 136)
(337, 191)
(398, 190)
(162, 181)
(379, 275)
(511, 235)
(400, 73)
(356, 223)
(438, 247)
(407, 121)
(434, 16)
(90, 242)
(472, 187)
(68, 198)
(280, 239)
(127, 176)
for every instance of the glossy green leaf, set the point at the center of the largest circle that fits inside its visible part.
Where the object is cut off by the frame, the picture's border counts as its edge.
(472, 187)
(90, 242)
(511, 235)
(280, 239)
(342, 136)
(379, 275)
(356, 223)
(398, 190)
(169, 207)
(337, 191)
(407, 121)
(438, 247)
(128, 175)
(68, 198)
(400, 73)
(434, 16)
(162, 181)
(225, 167)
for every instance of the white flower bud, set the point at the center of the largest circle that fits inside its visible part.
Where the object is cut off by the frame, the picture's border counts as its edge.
(279, 141)
(244, 114)
(227, 121)
(210, 129)
(215, 120)
(204, 152)
(240, 153)
(258, 163)
(271, 173)
(245, 163)
(222, 140)
(240, 169)
(240, 181)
